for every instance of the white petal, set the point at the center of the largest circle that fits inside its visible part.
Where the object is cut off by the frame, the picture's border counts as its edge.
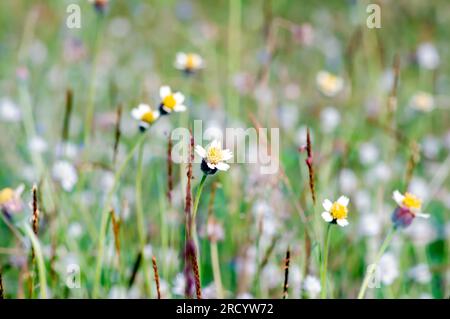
(211, 166)
(165, 108)
(144, 124)
(226, 155)
(164, 91)
(327, 204)
(423, 215)
(179, 97)
(398, 197)
(144, 108)
(343, 201)
(156, 114)
(136, 114)
(342, 222)
(180, 108)
(180, 60)
(222, 166)
(215, 143)
(327, 217)
(200, 151)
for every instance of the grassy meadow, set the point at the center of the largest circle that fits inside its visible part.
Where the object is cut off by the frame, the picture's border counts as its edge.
(94, 203)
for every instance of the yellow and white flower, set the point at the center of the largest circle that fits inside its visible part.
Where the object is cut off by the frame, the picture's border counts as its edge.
(170, 102)
(336, 212)
(188, 62)
(10, 201)
(410, 202)
(422, 101)
(214, 157)
(145, 115)
(329, 84)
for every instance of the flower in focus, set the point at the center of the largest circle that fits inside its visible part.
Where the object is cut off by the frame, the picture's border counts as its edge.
(329, 84)
(66, 174)
(311, 286)
(428, 56)
(409, 207)
(145, 115)
(170, 102)
(10, 201)
(188, 62)
(336, 212)
(214, 157)
(422, 101)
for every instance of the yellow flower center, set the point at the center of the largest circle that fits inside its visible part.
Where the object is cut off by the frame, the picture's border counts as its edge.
(190, 61)
(338, 211)
(148, 117)
(330, 82)
(411, 201)
(169, 101)
(214, 155)
(6, 195)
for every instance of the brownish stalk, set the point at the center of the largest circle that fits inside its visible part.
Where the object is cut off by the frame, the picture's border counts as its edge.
(67, 115)
(116, 231)
(169, 171)
(118, 133)
(286, 273)
(413, 160)
(267, 254)
(35, 218)
(1, 286)
(155, 271)
(309, 163)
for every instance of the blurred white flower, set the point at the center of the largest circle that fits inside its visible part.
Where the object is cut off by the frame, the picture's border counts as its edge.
(209, 292)
(431, 146)
(37, 52)
(368, 153)
(148, 251)
(329, 84)
(292, 91)
(170, 101)
(37, 145)
(420, 187)
(214, 230)
(362, 200)
(421, 232)
(270, 276)
(288, 116)
(179, 285)
(75, 230)
(118, 292)
(244, 295)
(66, 174)
(67, 149)
(348, 181)
(420, 273)
(428, 56)
(145, 115)
(380, 172)
(329, 119)
(9, 112)
(422, 101)
(388, 268)
(119, 27)
(369, 225)
(311, 285)
(188, 62)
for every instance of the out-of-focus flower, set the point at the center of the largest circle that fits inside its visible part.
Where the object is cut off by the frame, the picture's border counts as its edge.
(428, 56)
(65, 173)
(330, 119)
(368, 153)
(210, 291)
(179, 285)
(9, 112)
(214, 230)
(420, 273)
(409, 207)
(422, 232)
(369, 225)
(170, 102)
(37, 145)
(10, 199)
(336, 212)
(348, 181)
(431, 146)
(145, 115)
(422, 101)
(388, 268)
(214, 157)
(188, 62)
(329, 84)
(244, 295)
(311, 285)
(288, 116)
(119, 27)
(292, 91)
(75, 230)
(303, 34)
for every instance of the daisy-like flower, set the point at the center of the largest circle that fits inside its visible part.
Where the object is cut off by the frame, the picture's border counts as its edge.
(170, 102)
(10, 201)
(145, 115)
(329, 84)
(214, 157)
(422, 101)
(409, 207)
(336, 212)
(188, 62)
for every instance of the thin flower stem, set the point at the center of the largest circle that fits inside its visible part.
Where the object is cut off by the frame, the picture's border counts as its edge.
(197, 197)
(323, 272)
(40, 260)
(105, 214)
(373, 266)
(193, 228)
(140, 218)
(216, 268)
